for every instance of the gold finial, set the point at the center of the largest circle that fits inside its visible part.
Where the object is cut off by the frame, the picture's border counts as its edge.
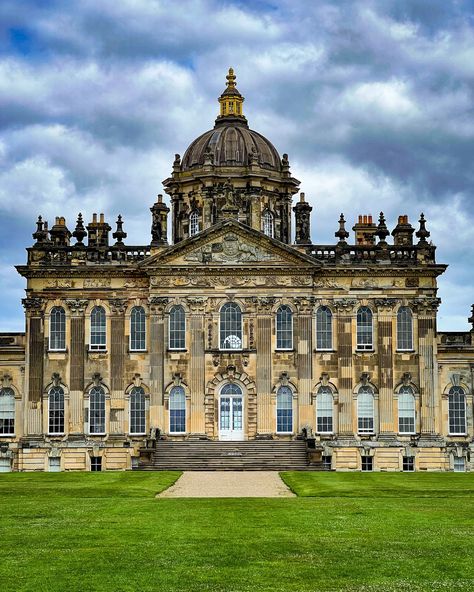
(231, 78)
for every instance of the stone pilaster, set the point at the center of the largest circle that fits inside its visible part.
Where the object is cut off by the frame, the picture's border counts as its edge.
(265, 424)
(197, 376)
(157, 355)
(77, 352)
(117, 364)
(304, 356)
(385, 352)
(345, 308)
(34, 310)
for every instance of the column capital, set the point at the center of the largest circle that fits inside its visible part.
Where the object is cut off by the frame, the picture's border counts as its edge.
(77, 306)
(158, 304)
(34, 306)
(425, 306)
(118, 306)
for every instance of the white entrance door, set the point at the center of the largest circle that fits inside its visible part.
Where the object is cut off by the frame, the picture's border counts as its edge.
(231, 422)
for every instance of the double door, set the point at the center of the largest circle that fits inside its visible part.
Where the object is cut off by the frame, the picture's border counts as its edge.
(231, 425)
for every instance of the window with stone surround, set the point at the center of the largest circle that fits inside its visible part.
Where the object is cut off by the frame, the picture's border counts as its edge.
(367, 463)
(408, 464)
(137, 410)
(98, 339)
(365, 410)
(97, 410)
(137, 329)
(268, 225)
(193, 223)
(57, 329)
(7, 412)
(406, 410)
(56, 410)
(284, 327)
(365, 330)
(457, 411)
(177, 405)
(323, 328)
(284, 410)
(404, 329)
(230, 330)
(324, 410)
(177, 328)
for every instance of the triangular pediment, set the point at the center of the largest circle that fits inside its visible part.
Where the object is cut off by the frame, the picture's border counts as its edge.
(229, 243)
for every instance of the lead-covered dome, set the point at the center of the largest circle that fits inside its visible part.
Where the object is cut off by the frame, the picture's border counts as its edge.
(231, 142)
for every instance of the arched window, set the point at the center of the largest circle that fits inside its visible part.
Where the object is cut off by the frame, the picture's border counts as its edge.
(7, 412)
(56, 410)
(284, 327)
(365, 410)
(57, 329)
(193, 223)
(177, 328)
(177, 410)
(365, 337)
(323, 328)
(267, 223)
(97, 410)
(284, 410)
(230, 326)
(406, 410)
(137, 329)
(457, 410)
(404, 329)
(137, 410)
(324, 410)
(98, 332)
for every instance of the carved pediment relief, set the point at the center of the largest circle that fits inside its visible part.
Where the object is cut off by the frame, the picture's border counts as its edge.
(230, 248)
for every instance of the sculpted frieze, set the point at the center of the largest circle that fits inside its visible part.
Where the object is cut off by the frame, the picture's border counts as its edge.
(328, 283)
(373, 283)
(136, 283)
(97, 283)
(226, 281)
(229, 250)
(59, 283)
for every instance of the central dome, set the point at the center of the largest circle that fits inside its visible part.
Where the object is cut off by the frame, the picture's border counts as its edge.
(231, 142)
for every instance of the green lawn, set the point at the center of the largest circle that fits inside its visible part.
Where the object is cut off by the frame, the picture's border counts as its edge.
(367, 532)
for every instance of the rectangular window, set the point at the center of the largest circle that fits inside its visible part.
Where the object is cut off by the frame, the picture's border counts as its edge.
(367, 463)
(459, 465)
(327, 463)
(54, 464)
(408, 463)
(96, 463)
(5, 465)
(323, 329)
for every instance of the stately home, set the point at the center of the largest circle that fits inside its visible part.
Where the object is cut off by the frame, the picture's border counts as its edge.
(236, 331)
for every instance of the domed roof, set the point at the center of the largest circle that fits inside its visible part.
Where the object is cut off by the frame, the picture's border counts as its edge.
(231, 143)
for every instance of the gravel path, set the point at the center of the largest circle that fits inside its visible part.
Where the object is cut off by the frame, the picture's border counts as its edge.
(228, 484)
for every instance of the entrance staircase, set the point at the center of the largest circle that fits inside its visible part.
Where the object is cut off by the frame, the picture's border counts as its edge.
(203, 455)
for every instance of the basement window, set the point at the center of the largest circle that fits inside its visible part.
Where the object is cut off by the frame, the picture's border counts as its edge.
(54, 464)
(408, 463)
(327, 463)
(96, 463)
(459, 465)
(367, 463)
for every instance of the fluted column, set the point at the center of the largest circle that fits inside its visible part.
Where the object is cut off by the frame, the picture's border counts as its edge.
(265, 424)
(304, 353)
(197, 375)
(345, 309)
(117, 364)
(385, 351)
(430, 408)
(34, 309)
(77, 353)
(157, 353)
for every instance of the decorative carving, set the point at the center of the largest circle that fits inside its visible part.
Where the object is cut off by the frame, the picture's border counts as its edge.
(386, 304)
(246, 281)
(251, 334)
(371, 283)
(264, 303)
(118, 306)
(230, 372)
(365, 379)
(426, 306)
(97, 379)
(230, 249)
(136, 283)
(196, 303)
(158, 304)
(304, 304)
(59, 283)
(33, 304)
(324, 379)
(284, 379)
(56, 379)
(77, 306)
(327, 283)
(412, 282)
(6, 380)
(216, 360)
(406, 379)
(344, 304)
(97, 283)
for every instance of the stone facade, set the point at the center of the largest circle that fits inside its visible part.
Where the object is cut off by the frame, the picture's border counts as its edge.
(354, 322)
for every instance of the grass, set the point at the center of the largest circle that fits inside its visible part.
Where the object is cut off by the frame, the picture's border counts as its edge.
(374, 532)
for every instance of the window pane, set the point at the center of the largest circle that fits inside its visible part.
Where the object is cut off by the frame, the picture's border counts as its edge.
(457, 410)
(364, 328)
(367, 463)
(284, 328)
(7, 412)
(459, 465)
(230, 326)
(284, 409)
(323, 328)
(98, 333)
(97, 410)
(408, 463)
(404, 329)
(137, 411)
(365, 410)
(57, 329)
(177, 330)
(193, 223)
(177, 410)
(267, 223)
(406, 410)
(137, 328)
(324, 410)
(56, 410)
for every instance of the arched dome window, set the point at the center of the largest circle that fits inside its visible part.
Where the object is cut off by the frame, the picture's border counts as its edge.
(268, 226)
(193, 223)
(231, 326)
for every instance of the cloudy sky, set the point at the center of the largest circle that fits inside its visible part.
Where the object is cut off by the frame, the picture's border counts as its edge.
(372, 100)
